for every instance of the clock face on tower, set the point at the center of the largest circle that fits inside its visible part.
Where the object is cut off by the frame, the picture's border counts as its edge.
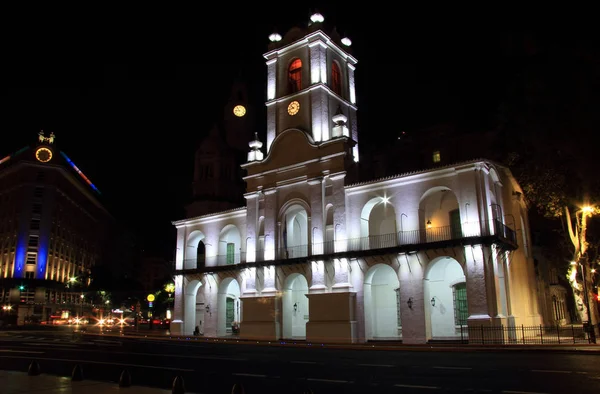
(239, 110)
(43, 154)
(293, 108)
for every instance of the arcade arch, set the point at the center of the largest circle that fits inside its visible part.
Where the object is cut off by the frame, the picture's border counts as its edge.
(446, 308)
(229, 250)
(295, 307)
(440, 215)
(378, 224)
(195, 250)
(382, 303)
(228, 306)
(295, 232)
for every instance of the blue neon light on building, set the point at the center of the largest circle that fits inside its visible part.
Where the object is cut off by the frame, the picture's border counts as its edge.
(42, 257)
(85, 178)
(20, 256)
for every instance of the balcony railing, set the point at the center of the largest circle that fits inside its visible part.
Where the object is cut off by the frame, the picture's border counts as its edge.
(467, 231)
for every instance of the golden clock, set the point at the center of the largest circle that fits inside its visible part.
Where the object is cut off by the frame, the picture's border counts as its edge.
(239, 110)
(43, 155)
(293, 108)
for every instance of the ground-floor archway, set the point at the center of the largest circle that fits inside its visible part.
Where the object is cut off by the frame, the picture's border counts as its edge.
(295, 307)
(446, 299)
(382, 304)
(228, 306)
(190, 304)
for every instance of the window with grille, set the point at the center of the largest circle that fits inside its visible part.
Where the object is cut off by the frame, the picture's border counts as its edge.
(230, 253)
(336, 79)
(437, 157)
(37, 208)
(461, 311)
(295, 76)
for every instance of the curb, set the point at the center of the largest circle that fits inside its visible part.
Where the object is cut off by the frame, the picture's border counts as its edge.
(554, 348)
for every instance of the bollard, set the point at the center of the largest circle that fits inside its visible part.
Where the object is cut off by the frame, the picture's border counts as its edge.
(77, 375)
(238, 389)
(34, 369)
(125, 379)
(178, 386)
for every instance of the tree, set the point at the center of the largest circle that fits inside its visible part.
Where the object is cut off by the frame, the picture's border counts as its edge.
(550, 118)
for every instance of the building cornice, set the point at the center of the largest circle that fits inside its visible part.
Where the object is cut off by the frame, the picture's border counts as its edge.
(309, 39)
(420, 175)
(211, 217)
(319, 85)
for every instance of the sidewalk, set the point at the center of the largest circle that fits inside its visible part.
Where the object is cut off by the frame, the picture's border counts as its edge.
(21, 383)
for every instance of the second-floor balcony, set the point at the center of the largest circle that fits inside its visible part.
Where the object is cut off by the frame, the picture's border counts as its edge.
(473, 233)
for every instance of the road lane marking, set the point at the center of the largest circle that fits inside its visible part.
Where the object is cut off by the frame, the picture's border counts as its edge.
(327, 380)
(20, 351)
(303, 362)
(414, 386)
(254, 375)
(522, 392)
(105, 363)
(460, 368)
(376, 365)
(48, 344)
(549, 371)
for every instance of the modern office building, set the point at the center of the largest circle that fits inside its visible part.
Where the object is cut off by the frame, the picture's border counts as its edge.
(53, 229)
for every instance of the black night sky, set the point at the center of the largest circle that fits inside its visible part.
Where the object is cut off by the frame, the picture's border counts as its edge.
(130, 100)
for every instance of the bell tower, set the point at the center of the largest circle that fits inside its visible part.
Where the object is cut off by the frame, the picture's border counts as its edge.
(310, 85)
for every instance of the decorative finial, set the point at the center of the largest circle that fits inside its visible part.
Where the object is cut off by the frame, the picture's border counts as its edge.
(255, 153)
(42, 138)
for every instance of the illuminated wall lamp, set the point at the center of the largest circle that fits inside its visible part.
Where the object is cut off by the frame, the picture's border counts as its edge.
(429, 224)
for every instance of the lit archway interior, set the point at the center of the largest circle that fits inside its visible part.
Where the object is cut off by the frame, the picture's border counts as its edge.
(295, 307)
(378, 224)
(191, 295)
(446, 299)
(295, 236)
(194, 250)
(382, 303)
(229, 307)
(230, 241)
(440, 215)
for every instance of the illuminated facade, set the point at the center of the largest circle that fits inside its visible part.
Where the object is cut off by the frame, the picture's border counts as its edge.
(52, 229)
(316, 256)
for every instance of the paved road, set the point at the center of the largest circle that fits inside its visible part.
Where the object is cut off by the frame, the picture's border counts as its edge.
(213, 367)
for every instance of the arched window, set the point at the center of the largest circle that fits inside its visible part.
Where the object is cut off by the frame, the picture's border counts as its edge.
(295, 76)
(336, 78)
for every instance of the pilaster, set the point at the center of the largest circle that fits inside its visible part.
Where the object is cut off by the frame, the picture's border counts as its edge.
(412, 298)
(271, 233)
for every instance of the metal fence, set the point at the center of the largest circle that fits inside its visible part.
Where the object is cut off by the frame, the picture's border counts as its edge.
(525, 335)
(374, 242)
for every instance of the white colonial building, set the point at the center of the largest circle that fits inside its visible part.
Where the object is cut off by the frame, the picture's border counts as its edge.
(314, 256)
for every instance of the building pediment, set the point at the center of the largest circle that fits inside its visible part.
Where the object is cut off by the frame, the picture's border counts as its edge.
(295, 154)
